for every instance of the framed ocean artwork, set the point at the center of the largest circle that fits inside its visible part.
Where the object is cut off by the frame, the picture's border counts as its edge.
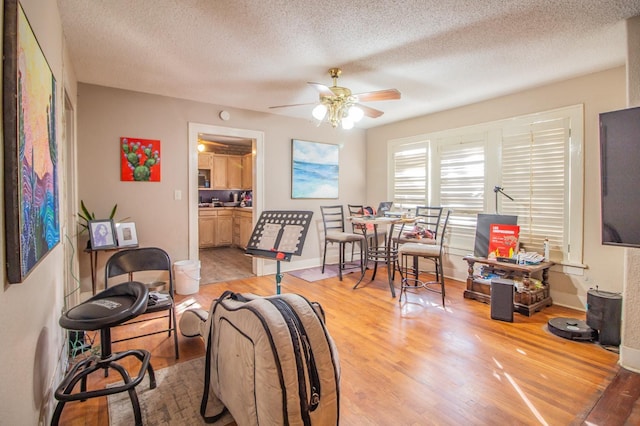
(315, 169)
(30, 148)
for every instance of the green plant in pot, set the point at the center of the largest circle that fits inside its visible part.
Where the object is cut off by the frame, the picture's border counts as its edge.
(85, 216)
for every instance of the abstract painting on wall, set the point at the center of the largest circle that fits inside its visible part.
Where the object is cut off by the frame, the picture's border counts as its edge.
(139, 160)
(315, 170)
(30, 147)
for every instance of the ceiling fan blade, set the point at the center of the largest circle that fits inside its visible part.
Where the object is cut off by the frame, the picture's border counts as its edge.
(293, 105)
(380, 95)
(324, 90)
(370, 112)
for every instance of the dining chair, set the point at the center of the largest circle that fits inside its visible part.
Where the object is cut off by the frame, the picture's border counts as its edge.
(414, 251)
(334, 232)
(125, 265)
(360, 228)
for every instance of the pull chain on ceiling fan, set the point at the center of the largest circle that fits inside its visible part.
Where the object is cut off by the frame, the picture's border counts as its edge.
(339, 106)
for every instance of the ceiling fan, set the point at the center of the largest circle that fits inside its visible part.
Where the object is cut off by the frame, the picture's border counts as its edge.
(339, 106)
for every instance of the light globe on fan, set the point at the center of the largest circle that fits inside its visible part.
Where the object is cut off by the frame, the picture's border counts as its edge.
(339, 106)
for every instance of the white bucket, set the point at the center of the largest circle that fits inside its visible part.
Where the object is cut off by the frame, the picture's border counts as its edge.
(187, 275)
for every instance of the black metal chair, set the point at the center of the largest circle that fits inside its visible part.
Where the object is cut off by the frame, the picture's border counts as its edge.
(414, 251)
(125, 264)
(333, 221)
(103, 311)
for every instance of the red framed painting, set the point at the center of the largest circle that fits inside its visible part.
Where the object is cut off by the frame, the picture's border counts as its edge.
(139, 160)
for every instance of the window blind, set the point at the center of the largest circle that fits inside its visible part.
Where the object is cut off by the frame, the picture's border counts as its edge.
(410, 177)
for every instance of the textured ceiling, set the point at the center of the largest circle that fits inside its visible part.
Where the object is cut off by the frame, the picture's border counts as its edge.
(253, 54)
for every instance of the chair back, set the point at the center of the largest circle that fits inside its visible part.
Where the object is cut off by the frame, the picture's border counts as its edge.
(138, 260)
(443, 231)
(332, 218)
(354, 210)
(430, 218)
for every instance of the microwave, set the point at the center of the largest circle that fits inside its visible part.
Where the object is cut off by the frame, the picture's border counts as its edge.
(201, 181)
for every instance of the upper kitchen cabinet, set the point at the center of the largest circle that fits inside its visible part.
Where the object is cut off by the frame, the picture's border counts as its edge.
(247, 171)
(226, 172)
(205, 160)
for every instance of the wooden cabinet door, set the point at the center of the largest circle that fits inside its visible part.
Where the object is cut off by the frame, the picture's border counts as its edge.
(247, 171)
(205, 160)
(224, 234)
(219, 172)
(246, 228)
(234, 172)
(207, 230)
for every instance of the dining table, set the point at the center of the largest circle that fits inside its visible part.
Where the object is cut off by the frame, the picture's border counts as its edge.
(381, 250)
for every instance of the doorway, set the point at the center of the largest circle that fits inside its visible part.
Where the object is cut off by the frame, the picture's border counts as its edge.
(224, 264)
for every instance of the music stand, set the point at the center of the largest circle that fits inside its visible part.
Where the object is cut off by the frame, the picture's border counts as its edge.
(279, 234)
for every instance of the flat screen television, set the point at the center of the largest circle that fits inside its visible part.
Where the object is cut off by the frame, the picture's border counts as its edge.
(620, 177)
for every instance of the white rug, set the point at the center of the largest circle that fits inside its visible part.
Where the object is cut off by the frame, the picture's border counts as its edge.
(175, 401)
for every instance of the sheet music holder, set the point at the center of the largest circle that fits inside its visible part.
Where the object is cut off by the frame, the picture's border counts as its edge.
(278, 235)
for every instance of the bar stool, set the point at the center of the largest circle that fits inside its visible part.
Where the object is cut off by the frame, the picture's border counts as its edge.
(414, 251)
(106, 309)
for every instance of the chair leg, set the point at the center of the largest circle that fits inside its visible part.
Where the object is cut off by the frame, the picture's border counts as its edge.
(324, 256)
(340, 259)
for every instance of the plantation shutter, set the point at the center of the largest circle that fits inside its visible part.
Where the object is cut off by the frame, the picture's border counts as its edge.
(535, 174)
(462, 181)
(410, 177)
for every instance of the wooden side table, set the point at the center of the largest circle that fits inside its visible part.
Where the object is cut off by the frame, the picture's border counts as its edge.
(527, 301)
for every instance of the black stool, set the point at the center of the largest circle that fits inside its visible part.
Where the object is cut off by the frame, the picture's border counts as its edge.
(106, 309)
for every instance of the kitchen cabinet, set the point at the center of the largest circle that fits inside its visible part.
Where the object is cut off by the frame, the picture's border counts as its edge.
(234, 172)
(224, 228)
(219, 172)
(247, 171)
(205, 160)
(226, 172)
(207, 224)
(242, 227)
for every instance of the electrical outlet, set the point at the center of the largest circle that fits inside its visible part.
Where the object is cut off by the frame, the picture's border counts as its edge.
(177, 195)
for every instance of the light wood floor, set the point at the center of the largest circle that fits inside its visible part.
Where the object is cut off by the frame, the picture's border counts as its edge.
(224, 264)
(416, 363)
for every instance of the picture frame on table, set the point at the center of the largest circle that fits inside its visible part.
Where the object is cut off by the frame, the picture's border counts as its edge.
(126, 233)
(102, 234)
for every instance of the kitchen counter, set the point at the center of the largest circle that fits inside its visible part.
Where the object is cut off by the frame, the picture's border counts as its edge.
(223, 208)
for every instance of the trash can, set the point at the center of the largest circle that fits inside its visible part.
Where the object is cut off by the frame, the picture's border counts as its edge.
(187, 276)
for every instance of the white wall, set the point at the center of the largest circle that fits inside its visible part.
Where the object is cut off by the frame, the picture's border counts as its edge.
(32, 341)
(106, 114)
(599, 92)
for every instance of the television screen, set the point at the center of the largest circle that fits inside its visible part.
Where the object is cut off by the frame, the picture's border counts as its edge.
(620, 177)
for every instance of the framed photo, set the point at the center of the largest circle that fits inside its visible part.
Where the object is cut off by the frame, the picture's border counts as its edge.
(102, 234)
(32, 217)
(126, 232)
(314, 169)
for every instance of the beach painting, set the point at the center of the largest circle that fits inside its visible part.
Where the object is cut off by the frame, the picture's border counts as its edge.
(315, 170)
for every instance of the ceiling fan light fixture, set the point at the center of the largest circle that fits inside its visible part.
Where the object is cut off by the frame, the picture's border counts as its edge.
(347, 123)
(319, 112)
(355, 114)
(200, 147)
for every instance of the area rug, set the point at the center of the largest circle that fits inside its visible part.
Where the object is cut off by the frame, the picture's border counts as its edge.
(174, 402)
(315, 273)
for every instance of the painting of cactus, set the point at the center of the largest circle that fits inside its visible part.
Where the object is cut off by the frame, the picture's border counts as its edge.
(139, 160)
(32, 219)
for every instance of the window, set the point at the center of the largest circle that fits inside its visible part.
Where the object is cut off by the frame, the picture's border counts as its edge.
(535, 159)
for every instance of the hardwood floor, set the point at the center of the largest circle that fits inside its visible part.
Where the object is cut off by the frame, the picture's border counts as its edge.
(416, 363)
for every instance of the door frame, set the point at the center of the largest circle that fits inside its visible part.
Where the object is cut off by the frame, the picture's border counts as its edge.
(258, 179)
